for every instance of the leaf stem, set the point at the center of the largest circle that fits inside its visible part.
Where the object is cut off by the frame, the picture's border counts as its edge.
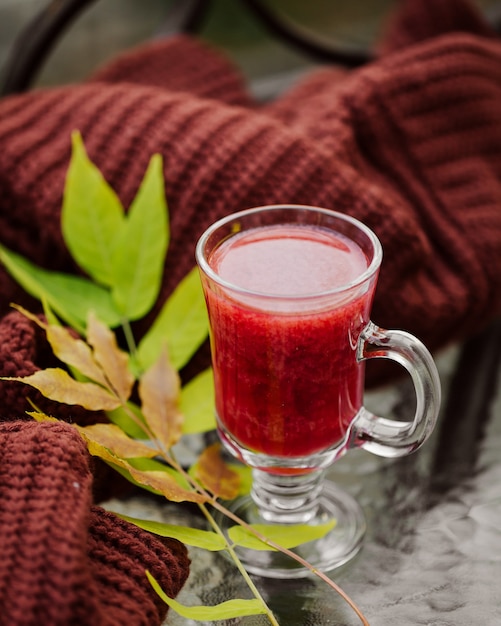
(165, 452)
(129, 338)
(217, 505)
(238, 563)
(222, 509)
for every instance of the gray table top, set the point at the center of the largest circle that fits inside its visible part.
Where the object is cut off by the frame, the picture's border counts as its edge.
(432, 552)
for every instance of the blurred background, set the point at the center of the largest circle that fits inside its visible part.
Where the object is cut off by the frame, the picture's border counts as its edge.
(106, 27)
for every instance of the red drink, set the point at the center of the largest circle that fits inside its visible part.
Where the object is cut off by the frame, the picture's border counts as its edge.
(284, 343)
(289, 290)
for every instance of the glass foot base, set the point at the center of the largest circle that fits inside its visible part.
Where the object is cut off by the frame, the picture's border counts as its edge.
(328, 553)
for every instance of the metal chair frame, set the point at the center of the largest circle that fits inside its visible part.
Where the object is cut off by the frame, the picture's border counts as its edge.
(41, 34)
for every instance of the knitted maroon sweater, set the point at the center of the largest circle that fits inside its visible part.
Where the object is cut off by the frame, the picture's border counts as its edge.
(410, 144)
(62, 560)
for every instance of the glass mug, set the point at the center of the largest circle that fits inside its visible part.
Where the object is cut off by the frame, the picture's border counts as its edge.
(289, 291)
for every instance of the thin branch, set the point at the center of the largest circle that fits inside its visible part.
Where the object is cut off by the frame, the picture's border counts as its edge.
(238, 563)
(222, 509)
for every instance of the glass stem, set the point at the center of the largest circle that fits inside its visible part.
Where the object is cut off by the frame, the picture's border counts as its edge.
(287, 499)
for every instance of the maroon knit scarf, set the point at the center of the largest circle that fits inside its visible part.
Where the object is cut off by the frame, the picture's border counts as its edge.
(62, 560)
(410, 144)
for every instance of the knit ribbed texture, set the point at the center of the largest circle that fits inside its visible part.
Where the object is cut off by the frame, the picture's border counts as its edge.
(422, 20)
(119, 554)
(63, 561)
(421, 132)
(410, 144)
(23, 351)
(179, 64)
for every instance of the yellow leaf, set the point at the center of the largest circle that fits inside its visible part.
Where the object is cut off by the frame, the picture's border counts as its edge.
(31, 316)
(114, 362)
(56, 384)
(74, 352)
(215, 475)
(112, 437)
(68, 349)
(159, 391)
(96, 448)
(160, 481)
(41, 417)
(166, 485)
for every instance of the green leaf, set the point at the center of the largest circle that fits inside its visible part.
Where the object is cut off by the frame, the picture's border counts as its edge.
(121, 418)
(71, 297)
(92, 215)
(225, 610)
(182, 324)
(140, 247)
(204, 539)
(286, 536)
(197, 404)
(51, 317)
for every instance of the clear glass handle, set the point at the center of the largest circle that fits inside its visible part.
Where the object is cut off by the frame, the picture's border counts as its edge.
(392, 438)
